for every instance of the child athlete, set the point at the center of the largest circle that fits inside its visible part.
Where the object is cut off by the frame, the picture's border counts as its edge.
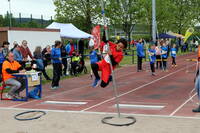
(116, 55)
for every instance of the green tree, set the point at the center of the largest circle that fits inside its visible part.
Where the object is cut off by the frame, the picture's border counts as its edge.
(174, 15)
(1, 21)
(184, 14)
(32, 24)
(79, 12)
(124, 14)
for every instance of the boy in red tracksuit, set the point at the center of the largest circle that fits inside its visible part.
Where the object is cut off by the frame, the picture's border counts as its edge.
(116, 55)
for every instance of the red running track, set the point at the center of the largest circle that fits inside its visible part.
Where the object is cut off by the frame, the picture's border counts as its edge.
(165, 94)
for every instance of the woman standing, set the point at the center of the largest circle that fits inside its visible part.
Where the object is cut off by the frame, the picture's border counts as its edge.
(57, 65)
(46, 54)
(140, 54)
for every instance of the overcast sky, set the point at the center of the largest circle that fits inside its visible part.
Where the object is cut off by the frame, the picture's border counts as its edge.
(27, 7)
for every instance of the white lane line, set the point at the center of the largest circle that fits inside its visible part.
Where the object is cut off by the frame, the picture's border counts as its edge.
(101, 113)
(181, 105)
(134, 89)
(136, 106)
(62, 102)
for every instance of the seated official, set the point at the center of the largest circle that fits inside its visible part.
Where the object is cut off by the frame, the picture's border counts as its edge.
(75, 63)
(9, 67)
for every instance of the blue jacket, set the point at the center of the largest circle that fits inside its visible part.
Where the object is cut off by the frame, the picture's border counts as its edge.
(164, 49)
(55, 55)
(17, 55)
(93, 57)
(68, 47)
(1, 57)
(173, 52)
(152, 57)
(140, 50)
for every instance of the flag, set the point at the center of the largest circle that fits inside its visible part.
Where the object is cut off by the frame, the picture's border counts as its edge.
(188, 33)
(175, 34)
(96, 36)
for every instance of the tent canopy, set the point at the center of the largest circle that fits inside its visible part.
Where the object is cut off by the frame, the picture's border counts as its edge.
(163, 35)
(69, 31)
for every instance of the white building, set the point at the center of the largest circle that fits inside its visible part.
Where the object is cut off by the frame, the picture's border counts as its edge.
(34, 36)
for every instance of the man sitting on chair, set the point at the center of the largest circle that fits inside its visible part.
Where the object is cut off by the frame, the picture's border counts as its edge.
(9, 67)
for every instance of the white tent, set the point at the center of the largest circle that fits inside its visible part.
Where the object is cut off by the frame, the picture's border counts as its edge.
(69, 31)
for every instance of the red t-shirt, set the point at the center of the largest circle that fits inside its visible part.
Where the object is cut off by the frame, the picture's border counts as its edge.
(72, 49)
(104, 66)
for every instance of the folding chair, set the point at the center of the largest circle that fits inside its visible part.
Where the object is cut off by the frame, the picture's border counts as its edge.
(3, 87)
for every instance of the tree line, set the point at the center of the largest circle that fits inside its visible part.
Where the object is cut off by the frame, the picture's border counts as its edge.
(171, 15)
(23, 22)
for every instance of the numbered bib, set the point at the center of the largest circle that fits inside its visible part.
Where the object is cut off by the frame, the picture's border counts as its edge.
(107, 58)
(173, 52)
(34, 77)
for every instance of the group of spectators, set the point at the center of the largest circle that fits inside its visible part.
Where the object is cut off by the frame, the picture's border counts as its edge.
(158, 54)
(16, 59)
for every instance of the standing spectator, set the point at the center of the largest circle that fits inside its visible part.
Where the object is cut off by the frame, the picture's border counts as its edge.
(70, 47)
(81, 47)
(140, 54)
(17, 54)
(46, 53)
(5, 48)
(94, 57)
(164, 55)
(39, 61)
(158, 56)
(152, 57)
(25, 51)
(64, 59)
(57, 65)
(173, 55)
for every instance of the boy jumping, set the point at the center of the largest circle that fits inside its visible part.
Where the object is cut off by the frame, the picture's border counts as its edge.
(116, 55)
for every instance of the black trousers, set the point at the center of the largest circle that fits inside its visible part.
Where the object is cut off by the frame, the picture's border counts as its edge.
(95, 69)
(164, 61)
(173, 61)
(139, 63)
(152, 65)
(74, 67)
(64, 62)
(158, 62)
(23, 84)
(57, 70)
(45, 74)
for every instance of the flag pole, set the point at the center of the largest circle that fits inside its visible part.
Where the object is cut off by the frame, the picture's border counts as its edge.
(124, 121)
(111, 67)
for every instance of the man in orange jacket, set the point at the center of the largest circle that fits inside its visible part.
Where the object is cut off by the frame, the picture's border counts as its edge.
(9, 67)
